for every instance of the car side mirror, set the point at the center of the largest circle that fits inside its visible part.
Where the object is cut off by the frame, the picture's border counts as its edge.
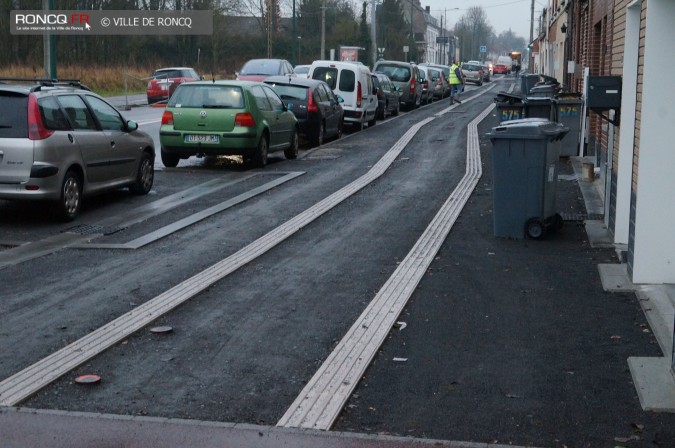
(340, 100)
(131, 125)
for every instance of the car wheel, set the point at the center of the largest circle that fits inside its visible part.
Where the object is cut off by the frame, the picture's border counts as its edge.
(397, 110)
(259, 159)
(319, 136)
(68, 206)
(169, 160)
(144, 177)
(340, 128)
(292, 151)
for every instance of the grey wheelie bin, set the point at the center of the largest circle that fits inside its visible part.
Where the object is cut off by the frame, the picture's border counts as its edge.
(510, 106)
(525, 173)
(567, 111)
(527, 81)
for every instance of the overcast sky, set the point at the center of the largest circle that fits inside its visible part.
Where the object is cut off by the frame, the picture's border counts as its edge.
(502, 14)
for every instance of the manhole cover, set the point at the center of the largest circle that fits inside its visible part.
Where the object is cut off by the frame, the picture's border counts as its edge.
(87, 379)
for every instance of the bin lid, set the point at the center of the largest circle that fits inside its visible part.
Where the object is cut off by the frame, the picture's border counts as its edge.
(506, 97)
(529, 129)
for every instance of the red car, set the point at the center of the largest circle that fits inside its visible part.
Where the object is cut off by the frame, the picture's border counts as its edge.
(500, 68)
(165, 80)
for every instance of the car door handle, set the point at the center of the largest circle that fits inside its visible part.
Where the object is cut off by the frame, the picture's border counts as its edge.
(70, 138)
(112, 143)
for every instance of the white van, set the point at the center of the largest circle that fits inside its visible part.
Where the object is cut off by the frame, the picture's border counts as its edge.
(352, 81)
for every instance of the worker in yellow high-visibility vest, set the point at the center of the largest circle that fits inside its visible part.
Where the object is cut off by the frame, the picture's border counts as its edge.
(456, 82)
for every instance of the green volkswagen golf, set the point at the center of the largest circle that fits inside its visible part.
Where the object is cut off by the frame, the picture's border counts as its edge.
(227, 118)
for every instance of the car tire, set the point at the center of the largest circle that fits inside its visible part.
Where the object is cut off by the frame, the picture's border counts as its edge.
(259, 159)
(397, 110)
(169, 160)
(144, 177)
(292, 151)
(319, 135)
(68, 205)
(340, 129)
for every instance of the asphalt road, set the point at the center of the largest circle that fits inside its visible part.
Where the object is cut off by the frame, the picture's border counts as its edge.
(241, 350)
(499, 346)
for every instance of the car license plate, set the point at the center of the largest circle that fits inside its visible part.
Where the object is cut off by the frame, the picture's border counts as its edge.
(202, 138)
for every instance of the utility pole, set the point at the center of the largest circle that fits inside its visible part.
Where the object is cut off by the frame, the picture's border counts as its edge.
(373, 33)
(293, 52)
(323, 30)
(412, 37)
(529, 46)
(442, 43)
(49, 46)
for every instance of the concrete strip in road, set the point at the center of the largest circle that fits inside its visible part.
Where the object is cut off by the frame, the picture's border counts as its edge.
(192, 219)
(36, 249)
(324, 396)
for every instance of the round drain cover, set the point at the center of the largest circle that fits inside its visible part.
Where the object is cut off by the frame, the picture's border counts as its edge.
(163, 329)
(87, 379)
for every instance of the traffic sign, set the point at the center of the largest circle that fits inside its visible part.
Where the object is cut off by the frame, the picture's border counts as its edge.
(483, 48)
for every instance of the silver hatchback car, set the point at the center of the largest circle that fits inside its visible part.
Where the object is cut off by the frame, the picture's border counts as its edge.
(61, 142)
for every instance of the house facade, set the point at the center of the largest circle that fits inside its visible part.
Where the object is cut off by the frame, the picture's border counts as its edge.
(631, 144)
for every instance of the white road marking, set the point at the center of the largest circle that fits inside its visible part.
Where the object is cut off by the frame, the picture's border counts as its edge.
(324, 396)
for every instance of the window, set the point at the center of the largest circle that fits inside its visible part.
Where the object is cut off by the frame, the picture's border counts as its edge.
(274, 99)
(77, 112)
(52, 115)
(15, 124)
(208, 96)
(327, 75)
(261, 99)
(348, 81)
(321, 93)
(107, 115)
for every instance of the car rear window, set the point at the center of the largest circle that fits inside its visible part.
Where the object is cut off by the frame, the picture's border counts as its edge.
(260, 67)
(164, 74)
(208, 96)
(395, 72)
(327, 75)
(14, 121)
(287, 92)
(471, 67)
(347, 81)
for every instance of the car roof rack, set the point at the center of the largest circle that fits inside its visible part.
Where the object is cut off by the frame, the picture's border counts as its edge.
(46, 82)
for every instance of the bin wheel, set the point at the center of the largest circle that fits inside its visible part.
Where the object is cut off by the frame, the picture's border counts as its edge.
(534, 228)
(557, 222)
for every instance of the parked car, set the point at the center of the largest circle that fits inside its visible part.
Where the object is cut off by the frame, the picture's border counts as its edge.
(486, 73)
(473, 73)
(388, 96)
(404, 75)
(500, 69)
(60, 142)
(427, 94)
(165, 80)
(352, 82)
(437, 80)
(259, 69)
(301, 70)
(317, 108)
(227, 118)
